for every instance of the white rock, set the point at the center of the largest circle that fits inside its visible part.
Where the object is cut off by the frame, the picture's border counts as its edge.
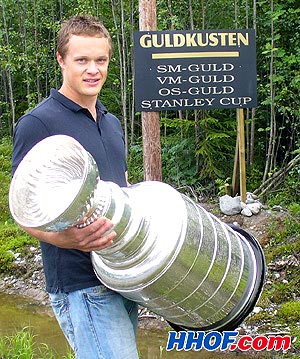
(246, 212)
(254, 207)
(257, 310)
(230, 205)
(251, 197)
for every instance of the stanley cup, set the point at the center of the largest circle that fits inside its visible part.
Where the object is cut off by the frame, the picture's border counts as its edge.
(170, 255)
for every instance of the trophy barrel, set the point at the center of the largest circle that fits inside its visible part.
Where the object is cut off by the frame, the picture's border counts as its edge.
(182, 262)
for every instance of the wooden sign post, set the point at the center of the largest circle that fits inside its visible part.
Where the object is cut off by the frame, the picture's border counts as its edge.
(242, 161)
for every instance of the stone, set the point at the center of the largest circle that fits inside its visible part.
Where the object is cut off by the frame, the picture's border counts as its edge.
(254, 207)
(251, 198)
(247, 212)
(236, 224)
(230, 205)
(256, 310)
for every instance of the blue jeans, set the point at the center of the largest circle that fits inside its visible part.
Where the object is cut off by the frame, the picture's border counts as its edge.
(97, 322)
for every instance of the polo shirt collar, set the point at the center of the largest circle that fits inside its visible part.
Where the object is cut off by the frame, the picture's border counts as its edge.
(73, 105)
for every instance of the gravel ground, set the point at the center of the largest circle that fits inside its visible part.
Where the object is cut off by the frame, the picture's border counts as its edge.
(28, 279)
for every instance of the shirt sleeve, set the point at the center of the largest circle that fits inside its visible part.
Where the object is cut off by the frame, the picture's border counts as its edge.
(28, 132)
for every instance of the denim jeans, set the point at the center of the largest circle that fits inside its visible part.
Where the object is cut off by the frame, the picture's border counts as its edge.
(97, 322)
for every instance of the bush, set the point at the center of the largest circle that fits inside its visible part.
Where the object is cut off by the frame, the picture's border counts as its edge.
(12, 238)
(289, 191)
(135, 163)
(5, 177)
(290, 311)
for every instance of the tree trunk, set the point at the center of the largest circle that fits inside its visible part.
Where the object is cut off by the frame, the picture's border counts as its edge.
(132, 108)
(203, 14)
(150, 120)
(235, 14)
(191, 14)
(253, 112)
(121, 41)
(8, 76)
(270, 151)
(36, 45)
(277, 178)
(23, 32)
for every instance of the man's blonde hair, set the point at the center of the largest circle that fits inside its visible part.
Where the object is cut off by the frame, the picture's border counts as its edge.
(81, 25)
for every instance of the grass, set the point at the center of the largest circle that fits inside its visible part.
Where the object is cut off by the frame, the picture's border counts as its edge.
(12, 238)
(22, 345)
(282, 289)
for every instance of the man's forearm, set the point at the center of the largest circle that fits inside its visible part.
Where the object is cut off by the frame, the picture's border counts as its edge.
(96, 236)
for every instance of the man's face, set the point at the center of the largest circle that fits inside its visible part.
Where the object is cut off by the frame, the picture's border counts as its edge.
(84, 67)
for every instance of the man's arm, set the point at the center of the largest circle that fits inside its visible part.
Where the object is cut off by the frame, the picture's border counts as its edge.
(90, 238)
(126, 176)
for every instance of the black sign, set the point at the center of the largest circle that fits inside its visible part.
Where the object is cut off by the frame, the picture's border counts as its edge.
(194, 69)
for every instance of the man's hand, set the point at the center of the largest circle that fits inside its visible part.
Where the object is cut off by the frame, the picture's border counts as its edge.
(90, 238)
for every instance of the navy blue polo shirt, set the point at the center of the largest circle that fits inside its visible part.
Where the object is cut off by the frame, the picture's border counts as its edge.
(68, 270)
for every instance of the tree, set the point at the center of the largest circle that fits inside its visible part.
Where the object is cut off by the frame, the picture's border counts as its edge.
(28, 70)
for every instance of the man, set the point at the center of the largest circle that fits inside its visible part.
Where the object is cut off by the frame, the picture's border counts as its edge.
(98, 323)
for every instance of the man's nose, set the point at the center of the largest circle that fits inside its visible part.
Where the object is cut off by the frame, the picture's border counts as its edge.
(92, 67)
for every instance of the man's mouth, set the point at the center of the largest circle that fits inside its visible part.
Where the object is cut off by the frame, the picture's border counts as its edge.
(91, 80)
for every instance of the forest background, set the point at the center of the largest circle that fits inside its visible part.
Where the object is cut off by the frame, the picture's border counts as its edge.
(198, 147)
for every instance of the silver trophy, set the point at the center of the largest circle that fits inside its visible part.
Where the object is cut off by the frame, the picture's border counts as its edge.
(170, 255)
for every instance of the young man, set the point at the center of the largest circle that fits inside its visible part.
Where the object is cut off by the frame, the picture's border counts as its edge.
(98, 323)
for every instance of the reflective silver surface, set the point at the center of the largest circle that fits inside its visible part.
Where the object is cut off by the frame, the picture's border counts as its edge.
(169, 255)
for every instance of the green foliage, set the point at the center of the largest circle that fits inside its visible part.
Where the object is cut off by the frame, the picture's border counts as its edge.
(216, 147)
(28, 38)
(135, 163)
(295, 333)
(280, 230)
(178, 161)
(254, 175)
(284, 243)
(290, 311)
(5, 175)
(283, 292)
(221, 185)
(294, 209)
(19, 346)
(176, 15)
(12, 238)
(289, 190)
(282, 53)
(22, 345)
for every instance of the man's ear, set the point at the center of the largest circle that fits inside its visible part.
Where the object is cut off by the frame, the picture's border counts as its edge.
(60, 60)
